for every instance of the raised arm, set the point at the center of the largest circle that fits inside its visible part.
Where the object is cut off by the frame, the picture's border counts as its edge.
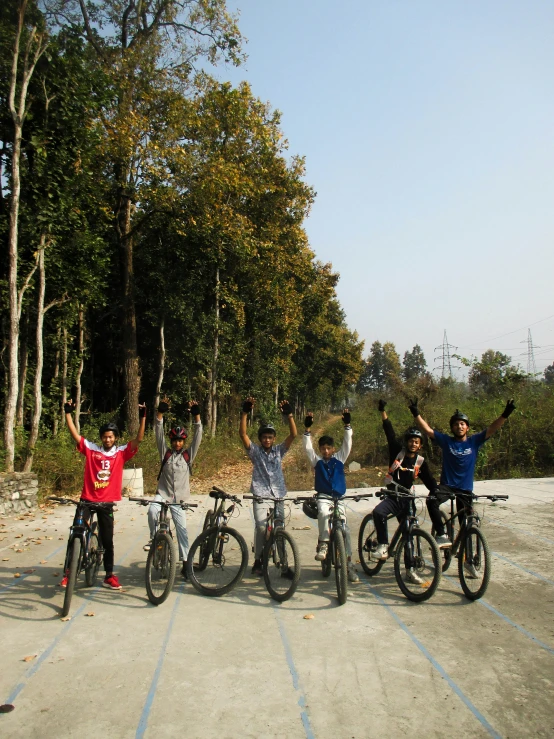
(346, 446)
(196, 429)
(423, 425)
(307, 439)
(381, 406)
(286, 410)
(501, 420)
(246, 408)
(69, 407)
(142, 425)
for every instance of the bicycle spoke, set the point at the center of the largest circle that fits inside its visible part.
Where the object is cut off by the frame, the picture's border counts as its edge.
(474, 564)
(281, 566)
(224, 559)
(417, 567)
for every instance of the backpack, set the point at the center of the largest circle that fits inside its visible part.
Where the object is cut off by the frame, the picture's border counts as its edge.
(398, 463)
(167, 455)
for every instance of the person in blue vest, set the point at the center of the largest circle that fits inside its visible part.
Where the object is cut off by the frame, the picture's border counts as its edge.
(174, 476)
(330, 481)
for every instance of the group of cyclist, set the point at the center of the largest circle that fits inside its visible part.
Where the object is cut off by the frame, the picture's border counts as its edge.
(103, 475)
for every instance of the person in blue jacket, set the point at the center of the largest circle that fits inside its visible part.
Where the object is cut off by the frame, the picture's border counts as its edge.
(330, 481)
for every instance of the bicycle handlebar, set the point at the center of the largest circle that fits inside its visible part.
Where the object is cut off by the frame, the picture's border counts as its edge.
(216, 492)
(471, 496)
(147, 501)
(87, 503)
(357, 498)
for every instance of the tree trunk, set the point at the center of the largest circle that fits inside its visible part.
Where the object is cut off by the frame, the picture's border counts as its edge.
(161, 368)
(23, 359)
(55, 378)
(64, 373)
(212, 374)
(80, 369)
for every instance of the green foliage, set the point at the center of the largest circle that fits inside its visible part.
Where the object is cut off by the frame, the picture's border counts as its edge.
(414, 364)
(381, 370)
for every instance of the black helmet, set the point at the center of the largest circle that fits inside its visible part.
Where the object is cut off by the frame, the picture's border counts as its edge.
(109, 427)
(266, 428)
(310, 508)
(413, 433)
(458, 416)
(178, 432)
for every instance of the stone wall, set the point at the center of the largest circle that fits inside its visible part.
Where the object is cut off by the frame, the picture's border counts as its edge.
(18, 492)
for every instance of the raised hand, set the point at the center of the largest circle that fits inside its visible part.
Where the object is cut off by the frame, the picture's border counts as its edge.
(163, 407)
(194, 408)
(142, 410)
(68, 406)
(285, 407)
(248, 404)
(346, 417)
(414, 410)
(510, 408)
(308, 421)
(382, 405)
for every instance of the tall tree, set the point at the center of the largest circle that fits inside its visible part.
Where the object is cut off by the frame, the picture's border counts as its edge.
(414, 364)
(381, 369)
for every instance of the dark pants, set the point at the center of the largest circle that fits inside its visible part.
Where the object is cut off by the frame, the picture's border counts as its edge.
(442, 494)
(104, 516)
(386, 507)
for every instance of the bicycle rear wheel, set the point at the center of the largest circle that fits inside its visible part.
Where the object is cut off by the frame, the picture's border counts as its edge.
(75, 556)
(202, 553)
(367, 539)
(445, 552)
(281, 565)
(94, 557)
(341, 566)
(160, 567)
(225, 562)
(422, 566)
(474, 564)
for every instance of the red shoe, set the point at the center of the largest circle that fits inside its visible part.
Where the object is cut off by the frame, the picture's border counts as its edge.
(63, 583)
(112, 582)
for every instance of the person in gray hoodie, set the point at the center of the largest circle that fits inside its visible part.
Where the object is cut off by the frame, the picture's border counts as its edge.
(174, 477)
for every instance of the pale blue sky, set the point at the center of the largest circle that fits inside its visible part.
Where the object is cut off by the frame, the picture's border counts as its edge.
(427, 131)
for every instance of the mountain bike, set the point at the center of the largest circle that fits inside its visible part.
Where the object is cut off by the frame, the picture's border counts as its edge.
(336, 551)
(84, 548)
(280, 556)
(415, 546)
(469, 545)
(161, 562)
(218, 557)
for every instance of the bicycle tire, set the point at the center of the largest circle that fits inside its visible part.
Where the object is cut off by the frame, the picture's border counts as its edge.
(93, 557)
(429, 573)
(341, 566)
(223, 570)
(480, 558)
(203, 552)
(366, 537)
(446, 552)
(161, 564)
(327, 563)
(278, 553)
(72, 575)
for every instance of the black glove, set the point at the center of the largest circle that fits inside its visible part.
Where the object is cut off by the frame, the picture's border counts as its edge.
(308, 421)
(163, 407)
(286, 408)
(346, 418)
(247, 406)
(68, 407)
(195, 410)
(510, 408)
(382, 404)
(414, 410)
(142, 411)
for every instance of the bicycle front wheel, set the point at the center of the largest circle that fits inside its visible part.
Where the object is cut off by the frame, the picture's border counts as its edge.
(417, 568)
(474, 564)
(367, 539)
(202, 553)
(225, 562)
(94, 557)
(75, 557)
(281, 566)
(446, 552)
(341, 566)
(160, 568)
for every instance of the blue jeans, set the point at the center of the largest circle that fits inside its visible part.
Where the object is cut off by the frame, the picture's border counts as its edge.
(179, 519)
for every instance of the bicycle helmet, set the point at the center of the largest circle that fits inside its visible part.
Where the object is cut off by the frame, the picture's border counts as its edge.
(310, 508)
(413, 433)
(178, 432)
(266, 428)
(108, 427)
(459, 416)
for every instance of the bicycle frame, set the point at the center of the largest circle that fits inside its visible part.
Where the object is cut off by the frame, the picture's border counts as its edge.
(82, 530)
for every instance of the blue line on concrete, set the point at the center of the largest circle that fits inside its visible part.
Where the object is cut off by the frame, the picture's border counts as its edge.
(20, 579)
(294, 674)
(48, 651)
(143, 722)
(442, 672)
(520, 567)
(519, 531)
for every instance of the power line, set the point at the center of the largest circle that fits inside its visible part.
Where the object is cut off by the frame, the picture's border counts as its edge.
(531, 364)
(446, 367)
(509, 333)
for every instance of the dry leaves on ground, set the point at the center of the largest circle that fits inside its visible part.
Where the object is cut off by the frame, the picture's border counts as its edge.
(30, 658)
(308, 616)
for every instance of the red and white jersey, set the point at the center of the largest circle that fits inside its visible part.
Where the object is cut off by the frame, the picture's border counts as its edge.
(104, 470)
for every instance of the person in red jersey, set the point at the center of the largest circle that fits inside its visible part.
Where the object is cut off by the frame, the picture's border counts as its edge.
(103, 479)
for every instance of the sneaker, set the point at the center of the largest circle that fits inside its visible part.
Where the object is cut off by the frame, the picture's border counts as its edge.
(413, 577)
(381, 551)
(321, 551)
(257, 568)
(352, 574)
(470, 571)
(147, 546)
(112, 582)
(288, 573)
(63, 583)
(443, 541)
